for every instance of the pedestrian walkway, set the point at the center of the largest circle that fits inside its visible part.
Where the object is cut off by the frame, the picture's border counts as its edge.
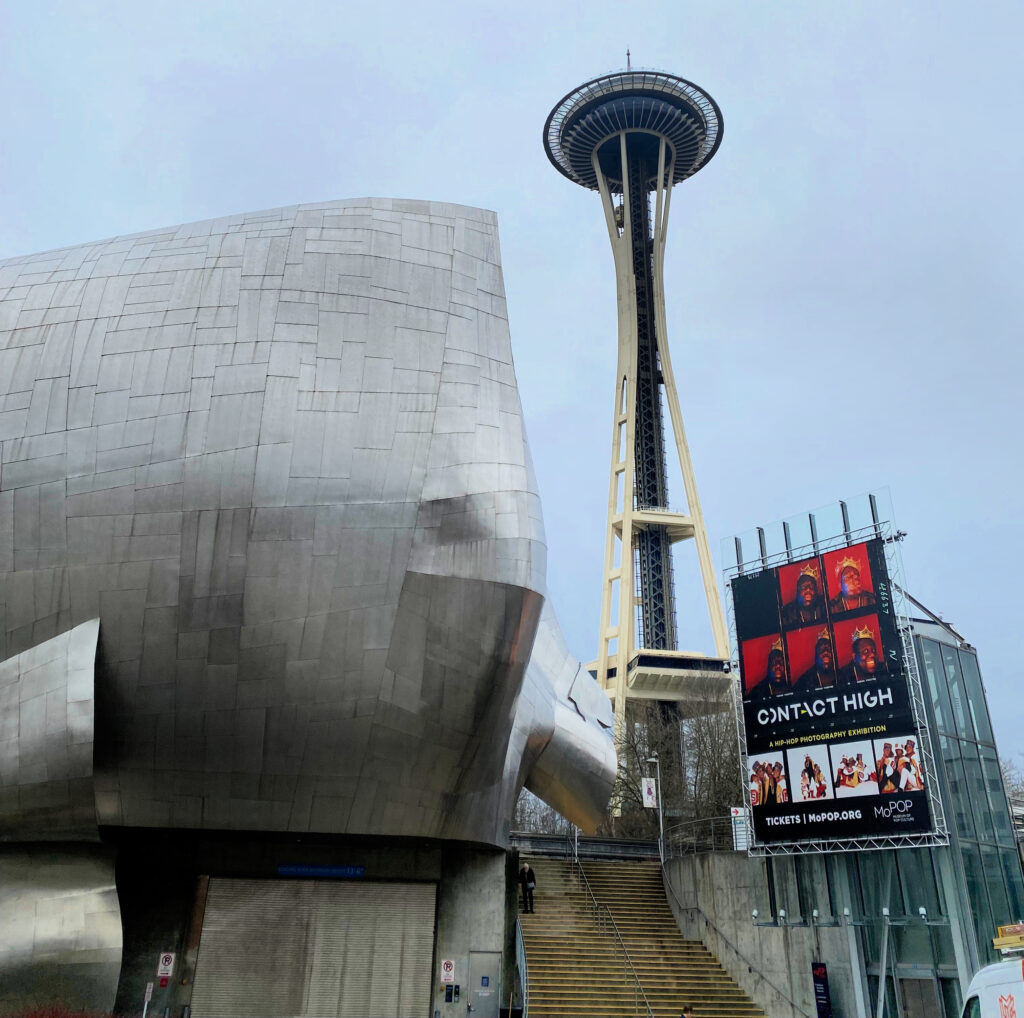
(576, 969)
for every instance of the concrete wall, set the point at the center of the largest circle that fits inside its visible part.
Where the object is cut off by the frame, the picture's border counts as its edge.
(713, 896)
(472, 913)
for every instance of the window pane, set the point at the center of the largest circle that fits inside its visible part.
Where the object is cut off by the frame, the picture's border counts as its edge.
(918, 880)
(810, 880)
(996, 798)
(997, 896)
(958, 789)
(935, 679)
(976, 792)
(955, 681)
(1014, 883)
(978, 897)
(976, 696)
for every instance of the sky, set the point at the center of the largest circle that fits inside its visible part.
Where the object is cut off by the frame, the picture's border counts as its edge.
(844, 308)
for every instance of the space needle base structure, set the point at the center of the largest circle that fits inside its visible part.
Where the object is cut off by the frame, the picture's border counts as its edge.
(631, 136)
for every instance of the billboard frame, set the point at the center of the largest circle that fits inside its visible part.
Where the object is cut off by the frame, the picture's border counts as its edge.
(890, 537)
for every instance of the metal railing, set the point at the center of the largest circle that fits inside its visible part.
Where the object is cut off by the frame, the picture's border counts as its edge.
(605, 922)
(753, 968)
(713, 834)
(521, 968)
(530, 843)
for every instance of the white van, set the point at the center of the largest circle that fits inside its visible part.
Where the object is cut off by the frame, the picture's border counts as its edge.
(996, 991)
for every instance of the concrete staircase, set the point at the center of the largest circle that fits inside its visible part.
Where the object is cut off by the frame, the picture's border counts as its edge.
(576, 969)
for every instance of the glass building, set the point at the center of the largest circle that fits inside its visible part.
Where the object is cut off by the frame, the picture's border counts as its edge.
(981, 833)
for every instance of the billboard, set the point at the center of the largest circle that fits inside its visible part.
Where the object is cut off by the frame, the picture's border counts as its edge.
(833, 749)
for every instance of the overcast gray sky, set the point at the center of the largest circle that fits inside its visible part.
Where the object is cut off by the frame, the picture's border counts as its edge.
(844, 307)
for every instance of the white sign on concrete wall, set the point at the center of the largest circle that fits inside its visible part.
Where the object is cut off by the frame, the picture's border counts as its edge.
(448, 970)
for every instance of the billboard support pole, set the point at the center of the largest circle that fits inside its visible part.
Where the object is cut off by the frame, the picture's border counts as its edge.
(882, 965)
(873, 503)
(787, 537)
(846, 521)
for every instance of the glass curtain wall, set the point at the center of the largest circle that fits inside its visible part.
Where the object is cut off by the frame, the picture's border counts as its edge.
(973, 786)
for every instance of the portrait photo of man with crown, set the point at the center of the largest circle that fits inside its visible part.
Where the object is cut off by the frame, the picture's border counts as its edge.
(848, 575)
(811, 659)
(859, 653)
(764, 668)
(802, 593)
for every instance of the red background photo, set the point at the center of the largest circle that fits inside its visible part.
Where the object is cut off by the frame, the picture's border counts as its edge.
(754, 655)
(800, 645)
(859, 554)
(789, 574)
(843, 647)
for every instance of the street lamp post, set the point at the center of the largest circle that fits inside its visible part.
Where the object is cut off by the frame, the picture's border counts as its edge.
(661, 819)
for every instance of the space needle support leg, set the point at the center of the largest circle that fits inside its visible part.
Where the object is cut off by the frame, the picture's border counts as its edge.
(617, 634)
(707, 568)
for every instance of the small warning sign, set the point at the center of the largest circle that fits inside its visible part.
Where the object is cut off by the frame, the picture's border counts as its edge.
(448, 970)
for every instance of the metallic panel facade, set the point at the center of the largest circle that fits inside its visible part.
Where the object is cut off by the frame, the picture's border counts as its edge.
(60, 927)
(46, 739)
(280, 456)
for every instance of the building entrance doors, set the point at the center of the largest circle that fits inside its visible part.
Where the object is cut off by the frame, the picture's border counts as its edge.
(920, 998)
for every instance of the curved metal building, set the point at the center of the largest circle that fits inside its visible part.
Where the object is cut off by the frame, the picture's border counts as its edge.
(271, 550)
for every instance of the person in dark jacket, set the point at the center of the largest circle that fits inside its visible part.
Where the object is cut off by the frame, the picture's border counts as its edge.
(527, 881)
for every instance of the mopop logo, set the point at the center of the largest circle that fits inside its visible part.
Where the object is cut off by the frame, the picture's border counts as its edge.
(900, 806)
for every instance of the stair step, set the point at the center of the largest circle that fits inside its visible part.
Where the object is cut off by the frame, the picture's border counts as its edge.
(575, 961)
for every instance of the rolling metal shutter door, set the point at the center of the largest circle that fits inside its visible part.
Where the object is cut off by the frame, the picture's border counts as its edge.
(316, 949)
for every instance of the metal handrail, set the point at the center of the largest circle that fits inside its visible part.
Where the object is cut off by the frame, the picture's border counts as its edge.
(524, 975)
(602, 914)
(709, 834)
(752, 967)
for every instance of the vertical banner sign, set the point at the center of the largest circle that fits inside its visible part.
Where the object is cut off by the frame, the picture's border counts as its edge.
(832, 748)
(650, 790)
(822, 997)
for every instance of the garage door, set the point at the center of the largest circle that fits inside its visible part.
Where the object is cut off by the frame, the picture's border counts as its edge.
(289, 948)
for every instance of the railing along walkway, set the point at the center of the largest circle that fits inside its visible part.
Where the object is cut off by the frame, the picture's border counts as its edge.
(604, 920)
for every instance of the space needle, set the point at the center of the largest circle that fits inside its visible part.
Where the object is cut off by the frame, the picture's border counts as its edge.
(631, 136)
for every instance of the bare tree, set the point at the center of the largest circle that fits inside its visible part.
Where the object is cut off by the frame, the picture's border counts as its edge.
(536, 817)
(700, 768)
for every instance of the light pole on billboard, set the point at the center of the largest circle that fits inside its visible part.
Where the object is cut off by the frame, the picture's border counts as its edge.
(661, 819)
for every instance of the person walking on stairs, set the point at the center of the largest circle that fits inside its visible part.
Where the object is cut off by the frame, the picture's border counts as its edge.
(528, 881)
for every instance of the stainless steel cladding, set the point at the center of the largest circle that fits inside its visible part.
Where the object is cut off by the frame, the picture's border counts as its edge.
(280, 457)
(46, 740)
(60, 938)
